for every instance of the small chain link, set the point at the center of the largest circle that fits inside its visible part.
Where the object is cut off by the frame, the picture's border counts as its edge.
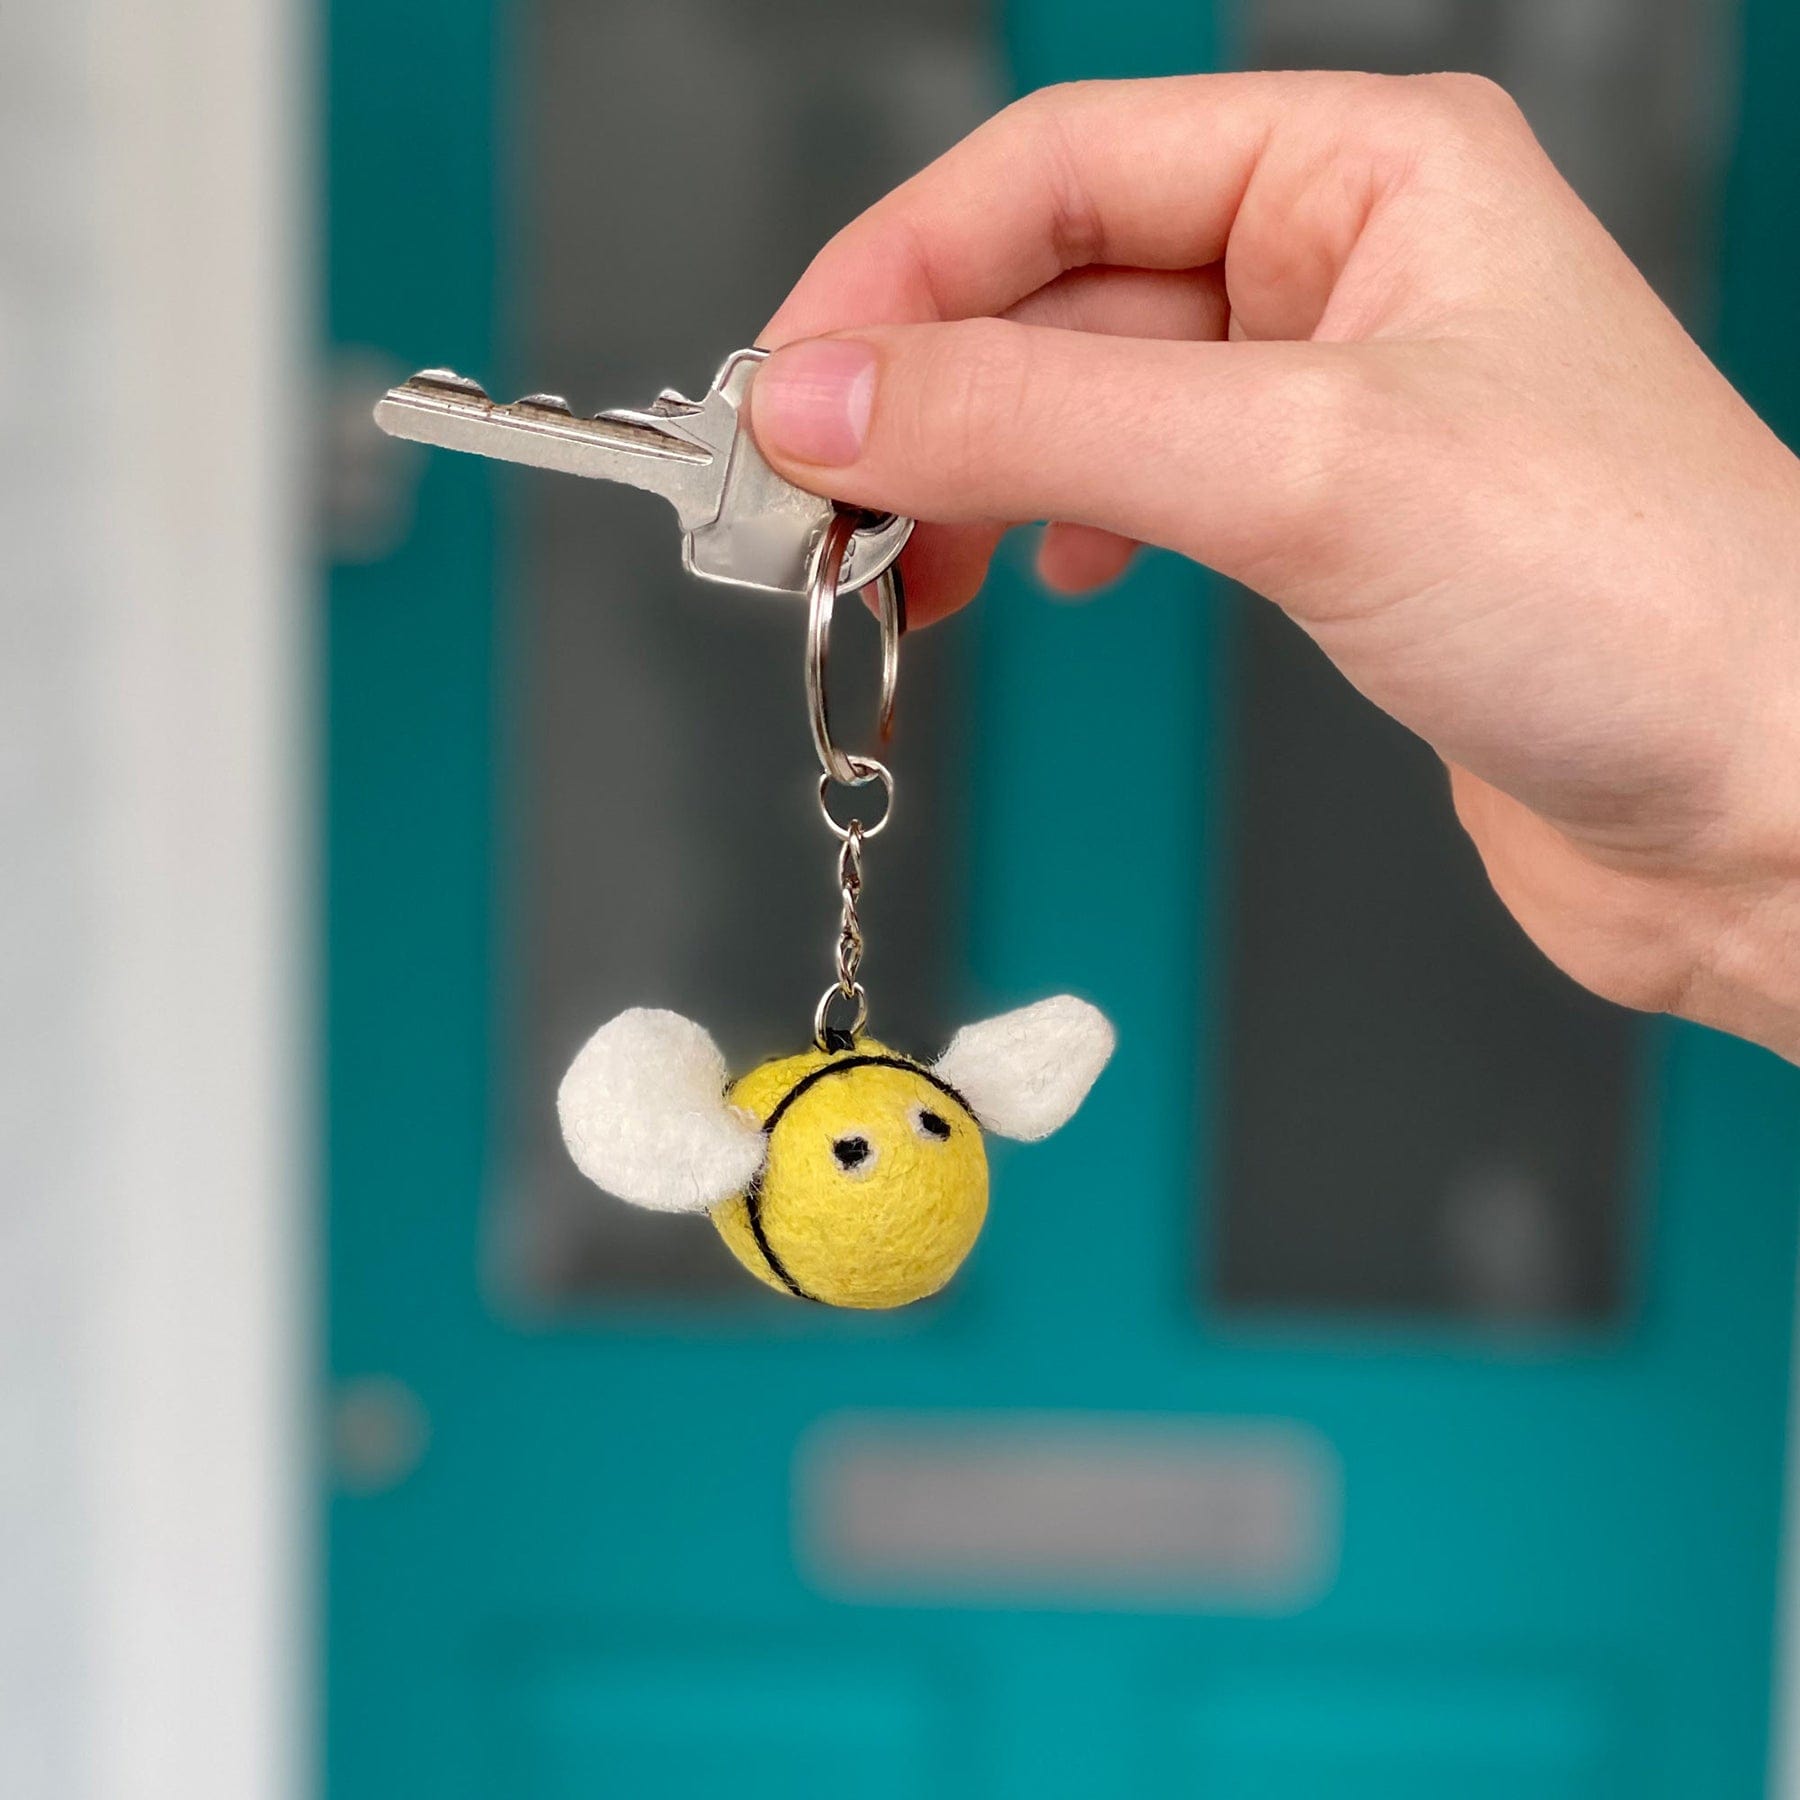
(850, 937)
(848, 987)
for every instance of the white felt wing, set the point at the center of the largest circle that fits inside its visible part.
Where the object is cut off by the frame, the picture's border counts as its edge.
(1024, 1073)
(644, 1114)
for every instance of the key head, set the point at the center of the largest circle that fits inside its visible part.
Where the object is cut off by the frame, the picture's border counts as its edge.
(767, 529)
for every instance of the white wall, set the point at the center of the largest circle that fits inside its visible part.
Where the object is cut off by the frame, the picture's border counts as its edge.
(152, 952)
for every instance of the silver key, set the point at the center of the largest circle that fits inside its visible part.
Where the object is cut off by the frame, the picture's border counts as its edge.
(741, 522)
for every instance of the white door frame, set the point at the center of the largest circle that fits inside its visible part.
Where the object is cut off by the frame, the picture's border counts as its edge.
(155, 275)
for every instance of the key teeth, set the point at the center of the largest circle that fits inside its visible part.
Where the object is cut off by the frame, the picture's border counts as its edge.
(549, 403)
(448, 378)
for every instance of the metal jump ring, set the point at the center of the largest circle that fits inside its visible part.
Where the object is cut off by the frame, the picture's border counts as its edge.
(822, 1012)
(864, 770)
(821, 597)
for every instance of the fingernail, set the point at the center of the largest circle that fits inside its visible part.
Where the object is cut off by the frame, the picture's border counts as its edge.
(811, 400)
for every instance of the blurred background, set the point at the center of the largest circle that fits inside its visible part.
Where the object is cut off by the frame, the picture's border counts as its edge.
(1380, 1389)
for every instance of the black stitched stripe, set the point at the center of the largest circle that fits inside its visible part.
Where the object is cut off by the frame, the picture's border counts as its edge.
(753, 1194)
(859, 1062)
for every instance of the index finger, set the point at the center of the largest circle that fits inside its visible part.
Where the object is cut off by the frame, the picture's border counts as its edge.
(1146, 174)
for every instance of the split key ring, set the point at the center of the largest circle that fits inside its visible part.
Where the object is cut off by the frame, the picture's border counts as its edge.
(821, 598)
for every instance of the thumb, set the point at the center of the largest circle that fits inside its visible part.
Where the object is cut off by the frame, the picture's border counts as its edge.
(1235, 454)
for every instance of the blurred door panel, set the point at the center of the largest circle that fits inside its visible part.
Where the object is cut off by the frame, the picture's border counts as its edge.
(772, 1718)
(1413, 1736)
(1378, 1389)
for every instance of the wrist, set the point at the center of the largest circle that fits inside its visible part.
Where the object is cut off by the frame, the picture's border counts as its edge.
(1704, 925)
(1743, 925)
(1745, 977)
(1744, 907)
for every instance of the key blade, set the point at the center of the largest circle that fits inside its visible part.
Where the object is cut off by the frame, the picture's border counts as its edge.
(666, 452)
(741, 523)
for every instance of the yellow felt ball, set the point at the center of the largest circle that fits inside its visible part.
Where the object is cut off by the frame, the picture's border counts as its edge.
(875, 1184)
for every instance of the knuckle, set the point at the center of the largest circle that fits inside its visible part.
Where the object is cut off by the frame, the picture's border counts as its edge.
(1328, 406)
(1327, 421)
(1051, 101)
(1049, 126)
(1456, 130)
(1050, 115)
(1463, 107)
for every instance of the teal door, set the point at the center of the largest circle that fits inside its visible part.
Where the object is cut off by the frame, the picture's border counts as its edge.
(1379, 1390)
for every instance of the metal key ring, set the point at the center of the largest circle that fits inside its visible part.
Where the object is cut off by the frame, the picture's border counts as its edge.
(821, 598)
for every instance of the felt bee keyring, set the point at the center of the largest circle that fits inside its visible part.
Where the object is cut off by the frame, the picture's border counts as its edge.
(847, 1174)
(850, 1173)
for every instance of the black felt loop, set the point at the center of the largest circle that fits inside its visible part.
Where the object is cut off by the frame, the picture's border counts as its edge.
(838, 1040)
(753, 1194)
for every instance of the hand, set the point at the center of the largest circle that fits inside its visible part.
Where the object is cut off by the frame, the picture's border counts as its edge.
(1353, 342)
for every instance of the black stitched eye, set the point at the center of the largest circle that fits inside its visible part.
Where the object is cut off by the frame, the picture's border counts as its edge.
(932, 1124)
(851, 1152)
